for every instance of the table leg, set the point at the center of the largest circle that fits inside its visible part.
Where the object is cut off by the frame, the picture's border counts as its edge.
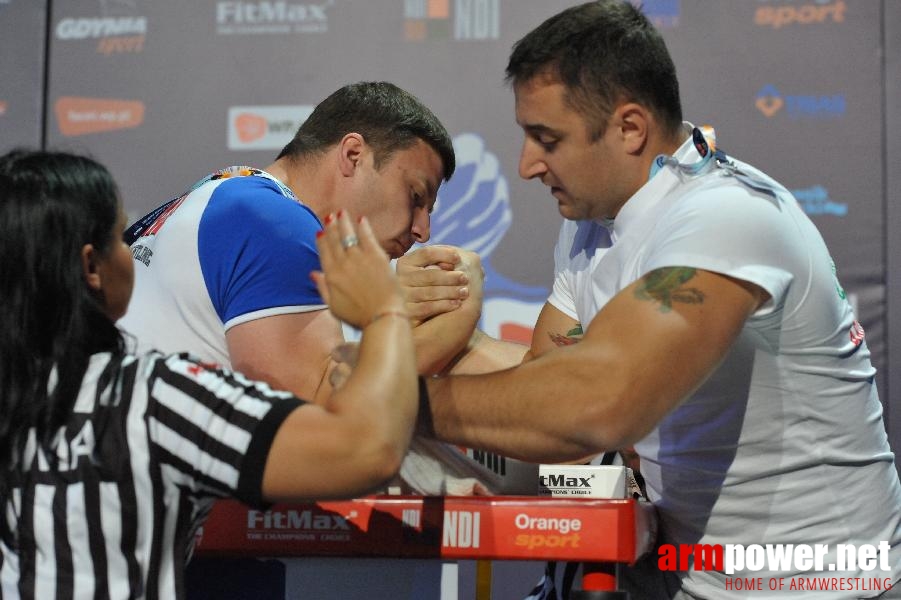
(598, 583)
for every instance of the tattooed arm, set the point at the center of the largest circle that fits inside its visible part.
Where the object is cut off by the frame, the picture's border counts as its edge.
(647, 350)
(553, 329)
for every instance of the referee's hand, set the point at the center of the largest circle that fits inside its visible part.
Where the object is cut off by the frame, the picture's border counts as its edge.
(356, 279)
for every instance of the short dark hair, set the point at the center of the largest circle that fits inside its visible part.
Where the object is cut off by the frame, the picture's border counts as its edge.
(603, 52)
(387, 117)
(51, 205)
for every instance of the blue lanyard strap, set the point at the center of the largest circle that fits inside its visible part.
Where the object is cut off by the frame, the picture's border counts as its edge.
(700, 144)
(717, 158)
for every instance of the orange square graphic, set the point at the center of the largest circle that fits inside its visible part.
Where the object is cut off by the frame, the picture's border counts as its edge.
(439, 9)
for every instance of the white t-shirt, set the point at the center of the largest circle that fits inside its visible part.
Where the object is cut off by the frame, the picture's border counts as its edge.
(785, 443)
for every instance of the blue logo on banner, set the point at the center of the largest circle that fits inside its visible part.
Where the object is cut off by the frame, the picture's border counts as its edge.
(815, 201)
(663, 14)
(473, 212)
(770, 101)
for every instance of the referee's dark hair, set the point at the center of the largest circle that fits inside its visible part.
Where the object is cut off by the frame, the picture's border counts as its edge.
(51, 205)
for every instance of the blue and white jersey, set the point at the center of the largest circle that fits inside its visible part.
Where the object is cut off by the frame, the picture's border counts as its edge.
(237, 247)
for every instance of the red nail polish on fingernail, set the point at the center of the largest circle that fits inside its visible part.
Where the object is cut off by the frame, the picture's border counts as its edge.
(340, 213)
(328, 219)
(319, 234)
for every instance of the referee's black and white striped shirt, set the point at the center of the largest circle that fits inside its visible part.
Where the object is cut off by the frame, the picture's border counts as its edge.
(138, 468)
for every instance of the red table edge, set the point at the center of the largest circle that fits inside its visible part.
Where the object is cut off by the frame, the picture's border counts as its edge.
(377, 527)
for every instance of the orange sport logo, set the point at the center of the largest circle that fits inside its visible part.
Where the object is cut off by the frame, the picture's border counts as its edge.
(539, 533)
(81, 116)
(805, 14)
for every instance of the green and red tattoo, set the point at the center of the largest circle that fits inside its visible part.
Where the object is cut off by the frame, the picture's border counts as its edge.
(567, 339)
(667, 286)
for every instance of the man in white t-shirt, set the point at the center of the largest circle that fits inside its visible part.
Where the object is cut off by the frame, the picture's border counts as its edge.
(713, 334)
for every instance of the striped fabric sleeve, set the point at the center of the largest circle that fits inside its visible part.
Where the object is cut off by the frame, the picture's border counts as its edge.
(214, 426)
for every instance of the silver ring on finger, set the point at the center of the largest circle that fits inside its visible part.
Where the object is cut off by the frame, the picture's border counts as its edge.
(349, 241)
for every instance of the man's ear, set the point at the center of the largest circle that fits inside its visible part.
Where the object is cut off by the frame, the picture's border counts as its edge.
(351, 150)
(632, 120)
(89, 267)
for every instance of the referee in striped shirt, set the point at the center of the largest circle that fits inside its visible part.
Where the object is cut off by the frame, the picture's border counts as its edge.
(111, 461)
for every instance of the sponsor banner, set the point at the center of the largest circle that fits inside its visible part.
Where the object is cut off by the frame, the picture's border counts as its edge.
(452, 19)
(815, 201)
(664, 14)
(771, 102)
(266, 17)
(590, 481)
(454, 527)
(81, 116)
(783, 14)
(264, 127)
(116, 31)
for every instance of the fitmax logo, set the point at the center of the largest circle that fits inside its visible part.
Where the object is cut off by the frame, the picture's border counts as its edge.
(294, 519)
(271, 17)
(559, 481)
(770, 101)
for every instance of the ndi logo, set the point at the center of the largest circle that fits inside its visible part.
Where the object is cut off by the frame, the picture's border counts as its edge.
(770, 101)
(433, 19)
(815, 201)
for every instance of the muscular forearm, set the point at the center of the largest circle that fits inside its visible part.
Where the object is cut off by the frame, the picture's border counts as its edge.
(484, 354)
(384, 381)
(442, 338)
(530, 412)
(609, 390)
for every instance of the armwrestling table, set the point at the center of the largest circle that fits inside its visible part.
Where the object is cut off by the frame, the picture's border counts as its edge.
(599, 533)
